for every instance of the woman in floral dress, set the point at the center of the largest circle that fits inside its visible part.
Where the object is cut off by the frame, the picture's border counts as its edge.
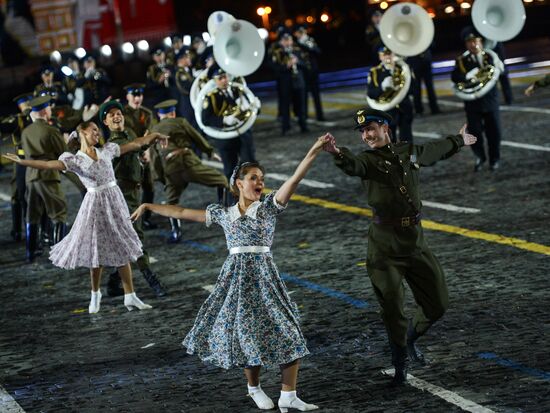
(102, 234)
(249, 319)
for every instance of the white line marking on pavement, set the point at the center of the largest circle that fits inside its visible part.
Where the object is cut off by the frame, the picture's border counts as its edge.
(8, 403)
(209, 287)
(505, 108)
(450, 207)
(444, 394)
(148, 345)
(278, 177)
(431, 135)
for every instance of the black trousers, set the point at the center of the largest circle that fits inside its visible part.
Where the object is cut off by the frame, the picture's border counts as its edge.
(312, 87)
(234, 150)
(488, 122)
(424, 73)
(402, 120)
(289, 93)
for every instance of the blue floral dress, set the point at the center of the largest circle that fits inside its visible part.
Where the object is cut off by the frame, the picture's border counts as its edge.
(249, 319)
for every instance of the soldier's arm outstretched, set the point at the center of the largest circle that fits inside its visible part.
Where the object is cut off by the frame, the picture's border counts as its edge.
(429, 153)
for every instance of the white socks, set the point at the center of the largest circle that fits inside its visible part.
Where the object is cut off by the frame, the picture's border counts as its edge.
(260, 398)
(289, 399)
(131, 301)
(95, 302)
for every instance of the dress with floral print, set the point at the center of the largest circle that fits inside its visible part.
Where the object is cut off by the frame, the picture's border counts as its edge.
(102, 233)
(249, 318)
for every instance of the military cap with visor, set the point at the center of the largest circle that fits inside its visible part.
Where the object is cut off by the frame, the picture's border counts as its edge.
(107, 106)
(22, 98)
(135, 88)
(365, 116)
(39, 103)
(166, 106)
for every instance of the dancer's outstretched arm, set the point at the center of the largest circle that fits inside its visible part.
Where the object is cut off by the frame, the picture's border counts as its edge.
(55, 165)
(287, 189)
(138, 143)
(171, 211)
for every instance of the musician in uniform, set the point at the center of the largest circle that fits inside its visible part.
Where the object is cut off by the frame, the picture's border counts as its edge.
(96, 82)
(129, 175)
(140, 119)
(421, 65)
(381, 81)
(180, 164)
(49, 87)
(311, 51)
(14, 124)
(181, 85)
(372, 36)
(288, 65)
(217, 112)
(43, 142)
(158, 76)
(483, 114)
(173, 50)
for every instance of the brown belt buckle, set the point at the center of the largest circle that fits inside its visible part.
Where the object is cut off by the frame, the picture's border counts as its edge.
(403, 189)
(405, 221)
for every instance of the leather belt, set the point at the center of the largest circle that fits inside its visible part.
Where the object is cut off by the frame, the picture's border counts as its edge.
(101, 187)
(253, 248)
(398, 222)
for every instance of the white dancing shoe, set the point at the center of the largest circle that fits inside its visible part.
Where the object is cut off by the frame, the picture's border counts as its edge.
(289, 400)
(95, 302)
(261, 399)
(131, 301)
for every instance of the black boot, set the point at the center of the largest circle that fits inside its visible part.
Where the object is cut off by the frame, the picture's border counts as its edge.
(415, 354)
(32, 242)
(16, 221)
(154, 282)
(46, 231)
(399, 361)
(176, 234)
(59, 232)
(114, 285)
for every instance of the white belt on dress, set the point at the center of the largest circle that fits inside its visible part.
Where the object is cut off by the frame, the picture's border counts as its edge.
(101, 187)
(253, 248)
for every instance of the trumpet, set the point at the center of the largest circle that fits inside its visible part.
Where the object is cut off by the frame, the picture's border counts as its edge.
(291, 56)
(166, 72)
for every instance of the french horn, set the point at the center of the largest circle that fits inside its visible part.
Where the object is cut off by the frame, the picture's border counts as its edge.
(407, 30)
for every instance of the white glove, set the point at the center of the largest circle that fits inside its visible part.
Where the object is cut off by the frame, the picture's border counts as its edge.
(230, 120)
(387, 83)
(472, 73)
(243, 104)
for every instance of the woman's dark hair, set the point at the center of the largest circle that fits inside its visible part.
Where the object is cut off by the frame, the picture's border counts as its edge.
(240, 172)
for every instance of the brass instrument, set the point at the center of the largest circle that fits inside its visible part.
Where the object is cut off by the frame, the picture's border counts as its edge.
(288, 56)
(485, 79)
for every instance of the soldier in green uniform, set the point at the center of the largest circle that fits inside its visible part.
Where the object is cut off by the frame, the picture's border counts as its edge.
(15, 124)
(396, 246)
(181, 165)
(43, 142)
(140, 119)
(129, 175)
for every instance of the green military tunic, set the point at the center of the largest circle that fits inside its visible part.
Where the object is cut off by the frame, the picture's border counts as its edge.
(44, 142)
(129, 175)
(186, 167)
(396, 245)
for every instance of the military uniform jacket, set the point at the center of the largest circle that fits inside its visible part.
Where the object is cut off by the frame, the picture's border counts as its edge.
(139, 120)
(311, 51)
(182, 135)
(153, 75)
(216, 103)
(377, 75)
(384, 170)
(288, 76)
(95, 86)
(14, 124)
(42, 142)
(127, 167)
(183, 79)
(466, 62)
(66, 118)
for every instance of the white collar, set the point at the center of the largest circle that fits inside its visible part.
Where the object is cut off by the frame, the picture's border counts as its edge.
(251, 211)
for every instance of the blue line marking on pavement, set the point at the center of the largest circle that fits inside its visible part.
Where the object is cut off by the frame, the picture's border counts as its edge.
(515, 366)
(295, 280)
(327, 291)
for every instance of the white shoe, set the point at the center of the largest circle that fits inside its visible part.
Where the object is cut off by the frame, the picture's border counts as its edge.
(261, 399)
(289, 400)
(131, 301)
(95, 302)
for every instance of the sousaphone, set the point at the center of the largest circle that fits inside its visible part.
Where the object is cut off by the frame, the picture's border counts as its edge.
(407, 30)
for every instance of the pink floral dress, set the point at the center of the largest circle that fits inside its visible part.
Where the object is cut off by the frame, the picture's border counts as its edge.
(102, 233)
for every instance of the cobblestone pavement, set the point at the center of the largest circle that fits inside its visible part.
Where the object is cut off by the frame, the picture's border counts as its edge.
(491, 348)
